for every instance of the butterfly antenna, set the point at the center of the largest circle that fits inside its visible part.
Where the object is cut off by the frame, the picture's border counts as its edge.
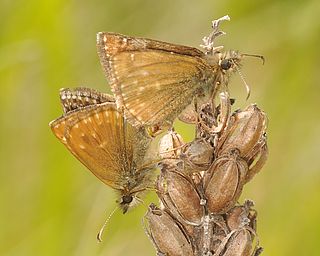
(99, 235)
(255, 56)
(244, 81)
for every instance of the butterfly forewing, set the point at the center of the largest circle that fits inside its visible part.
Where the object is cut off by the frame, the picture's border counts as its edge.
(152, 80)
(101, 139)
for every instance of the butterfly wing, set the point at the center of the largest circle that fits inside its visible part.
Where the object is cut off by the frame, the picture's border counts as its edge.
(98, 136)
(153, 81)
(72, 99)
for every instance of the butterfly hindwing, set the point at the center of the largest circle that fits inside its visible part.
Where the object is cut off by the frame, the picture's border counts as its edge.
(72, 99)
(101, 139)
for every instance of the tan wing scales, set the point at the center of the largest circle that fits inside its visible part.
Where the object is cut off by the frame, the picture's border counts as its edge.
(152, 80)
(99, 138)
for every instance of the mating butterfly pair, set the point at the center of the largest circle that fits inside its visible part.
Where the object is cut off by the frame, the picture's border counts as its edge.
(152, 82)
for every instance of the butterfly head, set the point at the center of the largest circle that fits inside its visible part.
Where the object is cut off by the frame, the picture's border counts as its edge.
(128, 200)
(229, 61)
(125, 202)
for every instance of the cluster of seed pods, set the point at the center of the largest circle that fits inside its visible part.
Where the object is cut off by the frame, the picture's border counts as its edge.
(201, 182)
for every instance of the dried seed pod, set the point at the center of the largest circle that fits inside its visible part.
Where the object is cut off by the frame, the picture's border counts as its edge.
(257, 159)
(244, 132)
(238, 243)
(167, 234)
(241, 221)
(197, 155)
(224, 182)
(190, 114)
(170, 145)
(240, 215)
(214, 231)
(179, 195)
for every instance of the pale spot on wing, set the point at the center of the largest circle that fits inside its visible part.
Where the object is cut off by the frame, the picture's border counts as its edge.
(63, 97)
(82, 134)
(158, 85)
(105, 38)
(90, 120)
(103, 144)
(132, 56)
(124, 40)
(141, 88)
(94, 135)
(76, 126)
(141, 105)
(82, 146)
(85, 121)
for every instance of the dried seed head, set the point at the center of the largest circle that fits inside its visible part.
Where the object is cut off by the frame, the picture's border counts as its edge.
(166, 233)
(224, 182)
(178, 193)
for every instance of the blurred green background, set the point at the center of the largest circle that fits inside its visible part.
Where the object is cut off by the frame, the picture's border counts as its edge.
(51, 205)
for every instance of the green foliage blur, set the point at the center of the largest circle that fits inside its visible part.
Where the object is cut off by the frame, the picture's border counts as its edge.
(50, 203)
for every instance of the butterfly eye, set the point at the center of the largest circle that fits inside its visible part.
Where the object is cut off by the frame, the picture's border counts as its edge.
(126, 199)
(226, 64)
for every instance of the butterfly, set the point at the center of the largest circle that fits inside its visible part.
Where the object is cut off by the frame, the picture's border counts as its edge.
(96, 133)
(154, 81)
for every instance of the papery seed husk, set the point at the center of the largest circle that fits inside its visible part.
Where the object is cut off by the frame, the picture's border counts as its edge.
(170, 145)
(198, 156)
(240, 244)
(179, 194)
(246, 129)
(257, 162)
(223, 183)
(235, 217)
(167, 234)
